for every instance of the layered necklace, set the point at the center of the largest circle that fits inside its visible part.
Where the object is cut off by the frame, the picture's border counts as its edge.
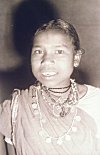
(60, 108)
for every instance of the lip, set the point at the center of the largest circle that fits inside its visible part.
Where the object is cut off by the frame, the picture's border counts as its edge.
(49, 74)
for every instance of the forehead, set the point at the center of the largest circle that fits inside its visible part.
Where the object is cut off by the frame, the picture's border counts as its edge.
(52, 36)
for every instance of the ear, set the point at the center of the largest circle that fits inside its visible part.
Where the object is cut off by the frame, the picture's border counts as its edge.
(77, 58)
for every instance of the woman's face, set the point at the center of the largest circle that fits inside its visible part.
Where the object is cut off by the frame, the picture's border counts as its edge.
(52, 58)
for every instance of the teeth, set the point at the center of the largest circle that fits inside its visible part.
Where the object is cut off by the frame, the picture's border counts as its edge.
(48, 73)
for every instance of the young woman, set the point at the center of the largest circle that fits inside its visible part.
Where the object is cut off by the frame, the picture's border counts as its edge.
(56, 115)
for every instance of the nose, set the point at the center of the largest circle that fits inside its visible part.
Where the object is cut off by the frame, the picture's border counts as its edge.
(47, 59)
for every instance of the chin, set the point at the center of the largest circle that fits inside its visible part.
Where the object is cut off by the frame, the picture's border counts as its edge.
(50, 84)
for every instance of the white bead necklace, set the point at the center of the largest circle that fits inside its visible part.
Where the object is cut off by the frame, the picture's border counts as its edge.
(59, 139)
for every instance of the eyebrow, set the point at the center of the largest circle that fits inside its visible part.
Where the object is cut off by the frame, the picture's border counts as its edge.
(64, 45)
(61, 45)
(36, 45)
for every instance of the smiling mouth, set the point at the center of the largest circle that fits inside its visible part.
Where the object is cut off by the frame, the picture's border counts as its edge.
(49, 74)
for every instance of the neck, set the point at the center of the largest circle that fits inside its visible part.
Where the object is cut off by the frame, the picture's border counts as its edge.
(56, 89)
(64, 101)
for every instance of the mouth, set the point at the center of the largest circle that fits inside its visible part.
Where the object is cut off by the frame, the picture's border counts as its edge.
(48, 74)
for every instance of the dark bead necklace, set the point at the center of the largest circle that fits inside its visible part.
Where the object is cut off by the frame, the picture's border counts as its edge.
(60, 92)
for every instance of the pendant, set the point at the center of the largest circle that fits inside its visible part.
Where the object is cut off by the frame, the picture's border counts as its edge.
(59, 141)
(63, 113)
(36, 112)
(34, 105)
(48, 140)
(78, 118)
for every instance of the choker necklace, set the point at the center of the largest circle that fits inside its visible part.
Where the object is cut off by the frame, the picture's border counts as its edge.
(62, 88)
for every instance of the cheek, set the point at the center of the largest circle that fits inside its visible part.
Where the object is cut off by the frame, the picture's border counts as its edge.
(34, 65)
(66, 64)
(35, 61)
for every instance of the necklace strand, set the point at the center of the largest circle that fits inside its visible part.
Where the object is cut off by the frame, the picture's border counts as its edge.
(61, 92)
(66, 135)
(44, 133)
(52, 89)
(65, 105)
(61, 87)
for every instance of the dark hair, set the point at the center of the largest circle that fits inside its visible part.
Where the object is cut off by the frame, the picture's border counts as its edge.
(68, 29)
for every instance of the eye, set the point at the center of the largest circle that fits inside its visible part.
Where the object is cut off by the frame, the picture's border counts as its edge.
(36, 52)
(59, 51)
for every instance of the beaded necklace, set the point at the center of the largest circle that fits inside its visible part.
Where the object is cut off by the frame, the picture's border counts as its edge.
(59, 92)
(63, 106)
(72, 101)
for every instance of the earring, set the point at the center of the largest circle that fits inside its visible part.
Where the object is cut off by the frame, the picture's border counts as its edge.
(75, 63)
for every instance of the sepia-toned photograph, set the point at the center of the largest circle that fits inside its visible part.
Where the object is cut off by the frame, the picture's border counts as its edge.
(49, 77)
